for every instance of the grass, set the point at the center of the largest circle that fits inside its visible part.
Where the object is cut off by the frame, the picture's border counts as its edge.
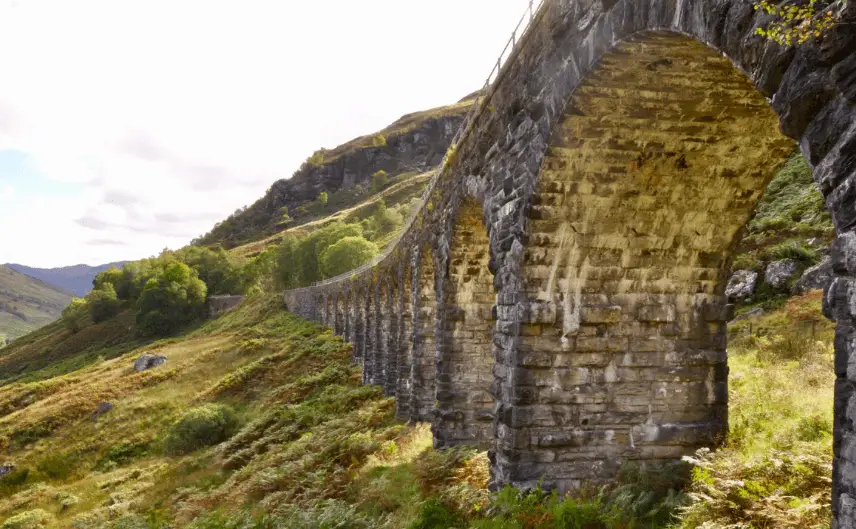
(317, 449)
(791, 212)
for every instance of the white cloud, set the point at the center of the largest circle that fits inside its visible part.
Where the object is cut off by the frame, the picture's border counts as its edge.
(169, 115)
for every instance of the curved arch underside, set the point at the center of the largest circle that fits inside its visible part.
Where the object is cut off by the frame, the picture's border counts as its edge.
(652, 172)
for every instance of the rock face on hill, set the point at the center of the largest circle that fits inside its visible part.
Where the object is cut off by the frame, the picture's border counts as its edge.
(415, 143)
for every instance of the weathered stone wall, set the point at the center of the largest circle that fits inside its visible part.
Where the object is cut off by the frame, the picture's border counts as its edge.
(615, 161)
(218, 305)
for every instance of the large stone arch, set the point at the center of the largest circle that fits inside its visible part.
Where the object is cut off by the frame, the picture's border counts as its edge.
(812, 91)
(651, 173)
(465, 397)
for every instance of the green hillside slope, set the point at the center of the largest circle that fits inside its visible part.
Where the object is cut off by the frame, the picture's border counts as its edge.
(75, 279)
(259, 420)
(27, 304)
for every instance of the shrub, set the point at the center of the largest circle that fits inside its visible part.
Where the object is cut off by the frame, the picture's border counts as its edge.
(74, 315)
(16, 477)
(796, 250)
(379, 140)
(34, 519)
(435, 514)
(379, 181)
(206, 425)
(317, 158)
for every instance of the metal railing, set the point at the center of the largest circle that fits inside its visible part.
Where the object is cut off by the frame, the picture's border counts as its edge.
(485, 94)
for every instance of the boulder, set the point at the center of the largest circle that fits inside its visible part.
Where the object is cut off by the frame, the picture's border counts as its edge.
(6, 469)
(818, 277)
(741, 285)
(778, 273)
(102, 408)
(148, 361)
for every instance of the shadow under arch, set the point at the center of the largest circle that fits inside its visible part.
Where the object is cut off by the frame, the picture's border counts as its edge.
(651, 173)
(465, 399)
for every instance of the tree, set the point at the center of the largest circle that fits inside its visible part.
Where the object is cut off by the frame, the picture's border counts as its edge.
(103, 303)
(221, 273)
(323, 198)
(111, 275)
(74, 315)
(379, 181)
(347, 254)
(173, 298)
(795, 24)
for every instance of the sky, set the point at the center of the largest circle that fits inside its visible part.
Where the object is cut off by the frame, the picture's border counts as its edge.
(130, 126)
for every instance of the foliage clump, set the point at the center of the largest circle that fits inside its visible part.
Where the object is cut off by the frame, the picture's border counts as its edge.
(34, 519)
(174, 297)
(103, 303)
(205, 425)
(795, 23)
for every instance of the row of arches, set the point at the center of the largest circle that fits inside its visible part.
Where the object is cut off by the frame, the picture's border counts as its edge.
(560, 297)
(429, 343)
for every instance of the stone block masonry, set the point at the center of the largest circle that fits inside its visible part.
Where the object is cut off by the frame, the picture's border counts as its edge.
(566, 297)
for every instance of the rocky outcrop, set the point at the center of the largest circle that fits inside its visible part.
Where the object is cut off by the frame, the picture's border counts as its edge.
(148, 361)
(415, 143)
(778, 273)
(741, 285)
(818, 277)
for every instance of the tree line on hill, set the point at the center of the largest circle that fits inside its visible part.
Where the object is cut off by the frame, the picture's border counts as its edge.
(169, 292)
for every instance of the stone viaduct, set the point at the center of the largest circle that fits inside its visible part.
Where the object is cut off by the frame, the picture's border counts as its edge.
(559, 296)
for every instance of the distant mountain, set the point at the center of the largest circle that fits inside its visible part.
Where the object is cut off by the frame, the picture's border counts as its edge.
(76, 279)
(27, 303)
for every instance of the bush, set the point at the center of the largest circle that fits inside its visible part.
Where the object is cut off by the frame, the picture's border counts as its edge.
(379, 181)
(347, 254)
(434, 514)
(57, 466)
(74, 315)
(202, 426)
(34, 519)
(103, 303)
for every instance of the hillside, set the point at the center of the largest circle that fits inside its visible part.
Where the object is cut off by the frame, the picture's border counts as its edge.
(27, 303)
(75, 279)
(302, 444)
(412, 145)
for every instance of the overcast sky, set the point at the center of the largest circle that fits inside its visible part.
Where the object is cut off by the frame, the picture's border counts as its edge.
(130, 126)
